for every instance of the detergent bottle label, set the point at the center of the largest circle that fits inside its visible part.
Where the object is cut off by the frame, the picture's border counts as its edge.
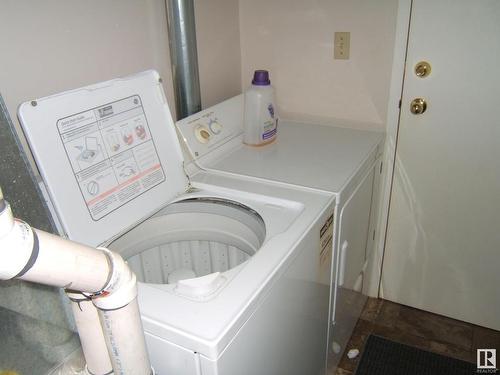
(270, 125)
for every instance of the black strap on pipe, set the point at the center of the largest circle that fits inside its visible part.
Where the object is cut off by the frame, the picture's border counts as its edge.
(34, 255)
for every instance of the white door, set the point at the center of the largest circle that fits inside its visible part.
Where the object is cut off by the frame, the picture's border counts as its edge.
(443, 241)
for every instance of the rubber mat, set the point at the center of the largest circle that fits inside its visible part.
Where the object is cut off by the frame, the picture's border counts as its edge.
(385, 357)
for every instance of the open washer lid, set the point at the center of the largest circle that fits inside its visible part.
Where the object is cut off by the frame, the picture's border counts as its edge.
(107, 153)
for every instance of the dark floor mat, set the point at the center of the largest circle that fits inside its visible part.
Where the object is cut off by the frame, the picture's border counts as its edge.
(386, 357)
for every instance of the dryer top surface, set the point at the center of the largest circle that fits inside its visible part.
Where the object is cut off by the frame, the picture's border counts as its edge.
(317, 156)
(309, 155)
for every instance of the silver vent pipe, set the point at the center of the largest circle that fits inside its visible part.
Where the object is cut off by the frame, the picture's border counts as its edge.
(184, 56)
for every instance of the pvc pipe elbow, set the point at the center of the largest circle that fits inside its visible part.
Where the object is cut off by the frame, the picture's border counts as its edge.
(122, 286)
(17, 244)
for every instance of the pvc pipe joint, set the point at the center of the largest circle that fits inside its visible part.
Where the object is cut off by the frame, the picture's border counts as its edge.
(122, 286)
(18, 241)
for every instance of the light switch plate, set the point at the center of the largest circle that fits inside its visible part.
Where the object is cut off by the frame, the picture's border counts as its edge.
(342, 45)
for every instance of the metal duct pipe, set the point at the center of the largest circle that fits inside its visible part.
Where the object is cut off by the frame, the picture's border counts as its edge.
(184, 56)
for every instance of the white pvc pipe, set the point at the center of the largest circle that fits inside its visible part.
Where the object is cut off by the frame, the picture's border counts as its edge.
(91, 334)
(41, 257)
(121, 320)
(70, 265)
(125, 339)
(67, 264)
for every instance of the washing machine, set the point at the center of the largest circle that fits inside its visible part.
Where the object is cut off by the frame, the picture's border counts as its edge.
(340, 160)
(233, 272)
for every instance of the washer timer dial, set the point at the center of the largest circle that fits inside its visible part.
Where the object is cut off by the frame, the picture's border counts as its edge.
(202, 134)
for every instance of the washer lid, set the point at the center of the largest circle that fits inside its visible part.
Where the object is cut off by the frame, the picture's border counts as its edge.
(108, 154)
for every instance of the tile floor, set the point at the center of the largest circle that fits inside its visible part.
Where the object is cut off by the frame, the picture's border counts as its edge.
(417, 328)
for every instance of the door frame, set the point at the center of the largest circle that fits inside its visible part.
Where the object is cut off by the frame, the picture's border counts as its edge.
(389, 155)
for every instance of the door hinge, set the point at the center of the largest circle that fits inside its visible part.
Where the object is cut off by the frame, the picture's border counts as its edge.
(373, 238)
(399, 104)
(381, 164)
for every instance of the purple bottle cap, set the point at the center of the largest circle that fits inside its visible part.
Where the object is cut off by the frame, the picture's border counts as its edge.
(261, 78)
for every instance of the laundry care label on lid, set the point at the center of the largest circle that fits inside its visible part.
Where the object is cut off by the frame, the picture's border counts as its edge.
(107, 154)
(112, 155)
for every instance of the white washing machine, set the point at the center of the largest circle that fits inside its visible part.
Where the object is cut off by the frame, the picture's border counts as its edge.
(234, 272)
(341, 161)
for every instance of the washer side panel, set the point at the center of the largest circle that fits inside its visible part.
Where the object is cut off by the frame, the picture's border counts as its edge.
(287, 334)
(168, 358)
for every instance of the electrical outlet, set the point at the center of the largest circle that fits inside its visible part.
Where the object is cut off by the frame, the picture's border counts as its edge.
(342, 45)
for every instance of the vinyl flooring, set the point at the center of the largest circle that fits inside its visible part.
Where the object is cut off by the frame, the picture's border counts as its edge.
(417, 328)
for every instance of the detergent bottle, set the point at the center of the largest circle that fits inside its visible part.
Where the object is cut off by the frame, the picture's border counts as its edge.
(260, 121)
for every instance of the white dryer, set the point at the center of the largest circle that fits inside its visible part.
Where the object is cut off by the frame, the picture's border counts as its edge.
(234, 272)
(344, 162)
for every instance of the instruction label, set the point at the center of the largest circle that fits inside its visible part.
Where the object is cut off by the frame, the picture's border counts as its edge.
(112, 154)
(326, 242)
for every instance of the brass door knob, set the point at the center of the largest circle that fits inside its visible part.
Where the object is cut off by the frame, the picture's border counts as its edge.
(418, 106)
(422, 69)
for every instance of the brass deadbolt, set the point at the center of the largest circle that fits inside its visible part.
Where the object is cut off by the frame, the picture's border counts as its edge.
(423, 69)
(418, 106)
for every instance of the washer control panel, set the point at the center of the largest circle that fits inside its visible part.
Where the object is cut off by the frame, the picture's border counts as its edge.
(213, 127)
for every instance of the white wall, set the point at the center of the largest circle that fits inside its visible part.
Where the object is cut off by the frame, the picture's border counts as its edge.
(52, 45)
(294, 40)
(219, 54)
(55, 45)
